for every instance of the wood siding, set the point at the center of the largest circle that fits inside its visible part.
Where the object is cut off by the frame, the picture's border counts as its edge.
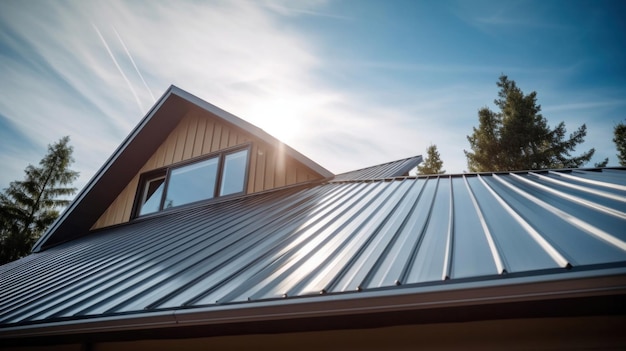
(200, 134)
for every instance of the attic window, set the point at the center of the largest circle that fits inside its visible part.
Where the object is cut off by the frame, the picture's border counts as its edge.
(214, 176)
(152, 194)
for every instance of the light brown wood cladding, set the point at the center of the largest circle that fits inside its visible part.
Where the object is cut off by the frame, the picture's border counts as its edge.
(199, 134)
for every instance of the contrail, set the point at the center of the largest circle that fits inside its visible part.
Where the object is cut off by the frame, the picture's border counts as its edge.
(134, 65)
(118, 67)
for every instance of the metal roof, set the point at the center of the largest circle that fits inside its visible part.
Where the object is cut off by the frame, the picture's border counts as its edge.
(341, 238)
(386, 170)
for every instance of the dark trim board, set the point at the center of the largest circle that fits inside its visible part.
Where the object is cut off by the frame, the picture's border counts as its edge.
(612, 305)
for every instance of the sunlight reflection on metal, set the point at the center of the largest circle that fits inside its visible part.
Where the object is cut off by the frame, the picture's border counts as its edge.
(334, 237)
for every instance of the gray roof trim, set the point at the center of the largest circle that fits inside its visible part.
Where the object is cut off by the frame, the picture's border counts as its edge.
(573, 284)
(134, 151)
(392, 169)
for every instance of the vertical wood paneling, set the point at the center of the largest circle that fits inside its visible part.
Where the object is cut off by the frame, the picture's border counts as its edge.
(159, 156)
(224, 138)
(181, 139)
(259, 177)
(118, 215)
(208, 137)
(217, 135)
(157, 160)
(270, 169)
(198, 135)
(232, 139)
(170, 144)
(152, 161)
(199, 140)
(105, 219)
(291, 172)
(252, 168)
(108, 215)
(301, 174)
(279, 170)
(190, 138)
(130, 198)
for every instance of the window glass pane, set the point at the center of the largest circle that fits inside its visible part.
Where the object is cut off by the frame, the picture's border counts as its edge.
(152, 193)
(191, 183)
(233, 175)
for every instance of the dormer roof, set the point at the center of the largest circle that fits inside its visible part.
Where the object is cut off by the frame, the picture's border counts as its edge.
(135, 150)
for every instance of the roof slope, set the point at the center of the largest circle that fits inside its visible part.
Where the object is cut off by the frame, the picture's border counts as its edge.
(393, 169)
(131, 155)
(345, 238)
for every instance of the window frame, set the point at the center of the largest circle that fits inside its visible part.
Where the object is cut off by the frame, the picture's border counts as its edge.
(166, 171)
(145, 179)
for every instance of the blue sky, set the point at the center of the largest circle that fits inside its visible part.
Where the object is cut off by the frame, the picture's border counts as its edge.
(349, 83)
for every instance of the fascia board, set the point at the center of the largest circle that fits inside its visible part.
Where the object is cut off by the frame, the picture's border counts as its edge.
(549, 287)
(521, 289)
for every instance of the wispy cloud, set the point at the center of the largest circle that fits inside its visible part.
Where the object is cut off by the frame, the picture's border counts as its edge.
(130, 57)
(290, 8)
(586, 105)
(130, 86)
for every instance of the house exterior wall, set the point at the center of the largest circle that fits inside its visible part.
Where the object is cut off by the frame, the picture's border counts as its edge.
(201, 134)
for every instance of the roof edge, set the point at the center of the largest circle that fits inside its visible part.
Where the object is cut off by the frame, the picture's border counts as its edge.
(580, 284)
(98, 175)
(392, 169)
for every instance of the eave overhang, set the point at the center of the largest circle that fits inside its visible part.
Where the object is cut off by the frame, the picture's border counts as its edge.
(575, 293)
(131, 155)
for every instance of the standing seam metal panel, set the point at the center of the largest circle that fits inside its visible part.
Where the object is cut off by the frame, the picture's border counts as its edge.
(329, 238)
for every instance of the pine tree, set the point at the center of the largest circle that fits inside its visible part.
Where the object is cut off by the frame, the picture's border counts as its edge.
(518, 136)
(619, 138)
(432, 164)
(28, 207)
(602, 163)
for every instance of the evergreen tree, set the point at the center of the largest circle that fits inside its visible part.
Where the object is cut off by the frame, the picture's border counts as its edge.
(28, 207)
(602, 163)
(518, 136)
(432, 164)
(619, 138)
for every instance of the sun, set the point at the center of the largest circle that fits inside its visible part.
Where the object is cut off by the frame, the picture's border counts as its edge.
(280, 117)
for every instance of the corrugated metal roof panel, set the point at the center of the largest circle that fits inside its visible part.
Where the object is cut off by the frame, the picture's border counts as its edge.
(393, 169)
(332, 238)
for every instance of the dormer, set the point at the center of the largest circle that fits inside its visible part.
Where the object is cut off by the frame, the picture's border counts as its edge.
(185, 152)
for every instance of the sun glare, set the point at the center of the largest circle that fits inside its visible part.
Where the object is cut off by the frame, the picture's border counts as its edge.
(279, 117)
